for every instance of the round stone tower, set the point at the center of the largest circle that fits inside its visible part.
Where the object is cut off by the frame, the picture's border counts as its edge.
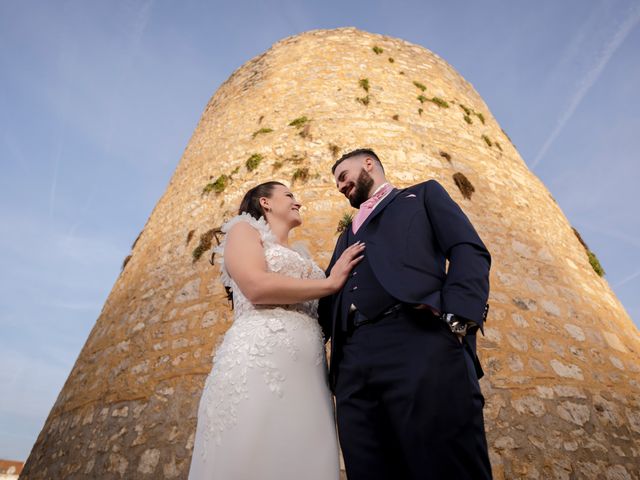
(560, 353)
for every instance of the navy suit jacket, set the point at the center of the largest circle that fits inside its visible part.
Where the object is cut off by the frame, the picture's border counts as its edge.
(409, 237)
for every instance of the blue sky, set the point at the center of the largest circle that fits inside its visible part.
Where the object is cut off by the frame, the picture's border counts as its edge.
(99, 99)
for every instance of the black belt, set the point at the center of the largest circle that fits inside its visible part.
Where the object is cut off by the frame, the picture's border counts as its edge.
(357, 319)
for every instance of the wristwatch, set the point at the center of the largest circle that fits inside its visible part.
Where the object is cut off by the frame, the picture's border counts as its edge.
(458, 325)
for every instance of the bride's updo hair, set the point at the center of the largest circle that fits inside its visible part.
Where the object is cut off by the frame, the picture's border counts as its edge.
(251, 201)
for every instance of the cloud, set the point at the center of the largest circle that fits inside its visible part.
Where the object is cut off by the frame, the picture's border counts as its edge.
(590, 79)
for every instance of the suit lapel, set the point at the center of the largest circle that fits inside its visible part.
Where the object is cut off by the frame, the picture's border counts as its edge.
(381, 206)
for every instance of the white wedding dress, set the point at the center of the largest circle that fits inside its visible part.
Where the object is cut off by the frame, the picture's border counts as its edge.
(266, 411)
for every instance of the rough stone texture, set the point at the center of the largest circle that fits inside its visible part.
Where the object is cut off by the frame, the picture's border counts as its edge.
(560, 353)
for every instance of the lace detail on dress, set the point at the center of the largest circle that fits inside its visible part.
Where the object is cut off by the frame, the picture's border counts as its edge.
(260, 225)
(259, 333)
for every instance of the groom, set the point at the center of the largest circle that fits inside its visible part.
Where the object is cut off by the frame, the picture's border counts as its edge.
(404, 368)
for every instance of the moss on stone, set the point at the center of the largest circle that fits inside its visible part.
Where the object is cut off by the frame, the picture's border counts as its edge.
(301, 174)
(364, 100)
(204, 245)
(190, 236)
(253, 161)
(467, 119)
(463, 183)
(422, 98)
(217, 186)
(467, 111)
(420, 86)
(299, 122)
(487, 140)
(595, 263)
(261, 132)
(364, 84)
(593, 260)
(440, 102)
(444, 154)
(377, 50)
(335, 150)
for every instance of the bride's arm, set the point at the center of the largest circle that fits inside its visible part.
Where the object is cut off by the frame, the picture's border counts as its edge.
(245, 262)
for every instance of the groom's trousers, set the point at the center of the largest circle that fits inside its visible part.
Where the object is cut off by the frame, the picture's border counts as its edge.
(408, 401)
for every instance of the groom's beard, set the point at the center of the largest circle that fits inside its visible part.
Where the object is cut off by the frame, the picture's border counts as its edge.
(363, 185)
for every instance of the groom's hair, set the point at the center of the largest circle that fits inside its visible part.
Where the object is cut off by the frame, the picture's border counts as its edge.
(355, 153)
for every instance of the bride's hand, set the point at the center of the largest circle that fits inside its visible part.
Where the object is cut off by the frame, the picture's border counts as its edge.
(343, 266)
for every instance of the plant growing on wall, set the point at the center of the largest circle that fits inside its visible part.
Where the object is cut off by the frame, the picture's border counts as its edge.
(463, 183)
(216, 186)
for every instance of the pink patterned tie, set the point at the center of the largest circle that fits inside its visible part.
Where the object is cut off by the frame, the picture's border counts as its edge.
(367, 207)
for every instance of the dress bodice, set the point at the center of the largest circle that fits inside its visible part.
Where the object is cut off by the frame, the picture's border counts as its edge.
(293, 262)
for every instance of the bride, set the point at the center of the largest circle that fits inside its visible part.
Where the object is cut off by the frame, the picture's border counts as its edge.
(266, 411)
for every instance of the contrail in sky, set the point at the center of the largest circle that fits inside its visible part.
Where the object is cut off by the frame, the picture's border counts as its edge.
(589, 80)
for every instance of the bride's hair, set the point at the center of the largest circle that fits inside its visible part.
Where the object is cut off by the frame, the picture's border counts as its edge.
(251, 201)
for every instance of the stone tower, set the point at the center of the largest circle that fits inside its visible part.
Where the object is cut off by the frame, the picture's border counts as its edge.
(562, 357)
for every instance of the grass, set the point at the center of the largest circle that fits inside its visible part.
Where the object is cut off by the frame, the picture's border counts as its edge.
(301, 174)
(377, 50)
(420, 110)
(253, 161)
(593, 260)
(595, 263)
(391, 60)
(422, 98)
(344, 222)
(364, 84)
(364, 100)
(467, 111)
(440, 102)
(498, 145)
(444, 154)
(420, 86)
(261, 132)
(204, 245)
(467, 119)
(217, 186)
(487, 140)
(299, 122)
(465, 186)
(480, 116)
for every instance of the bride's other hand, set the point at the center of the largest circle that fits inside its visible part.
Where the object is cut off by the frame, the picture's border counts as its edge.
(343, 266)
